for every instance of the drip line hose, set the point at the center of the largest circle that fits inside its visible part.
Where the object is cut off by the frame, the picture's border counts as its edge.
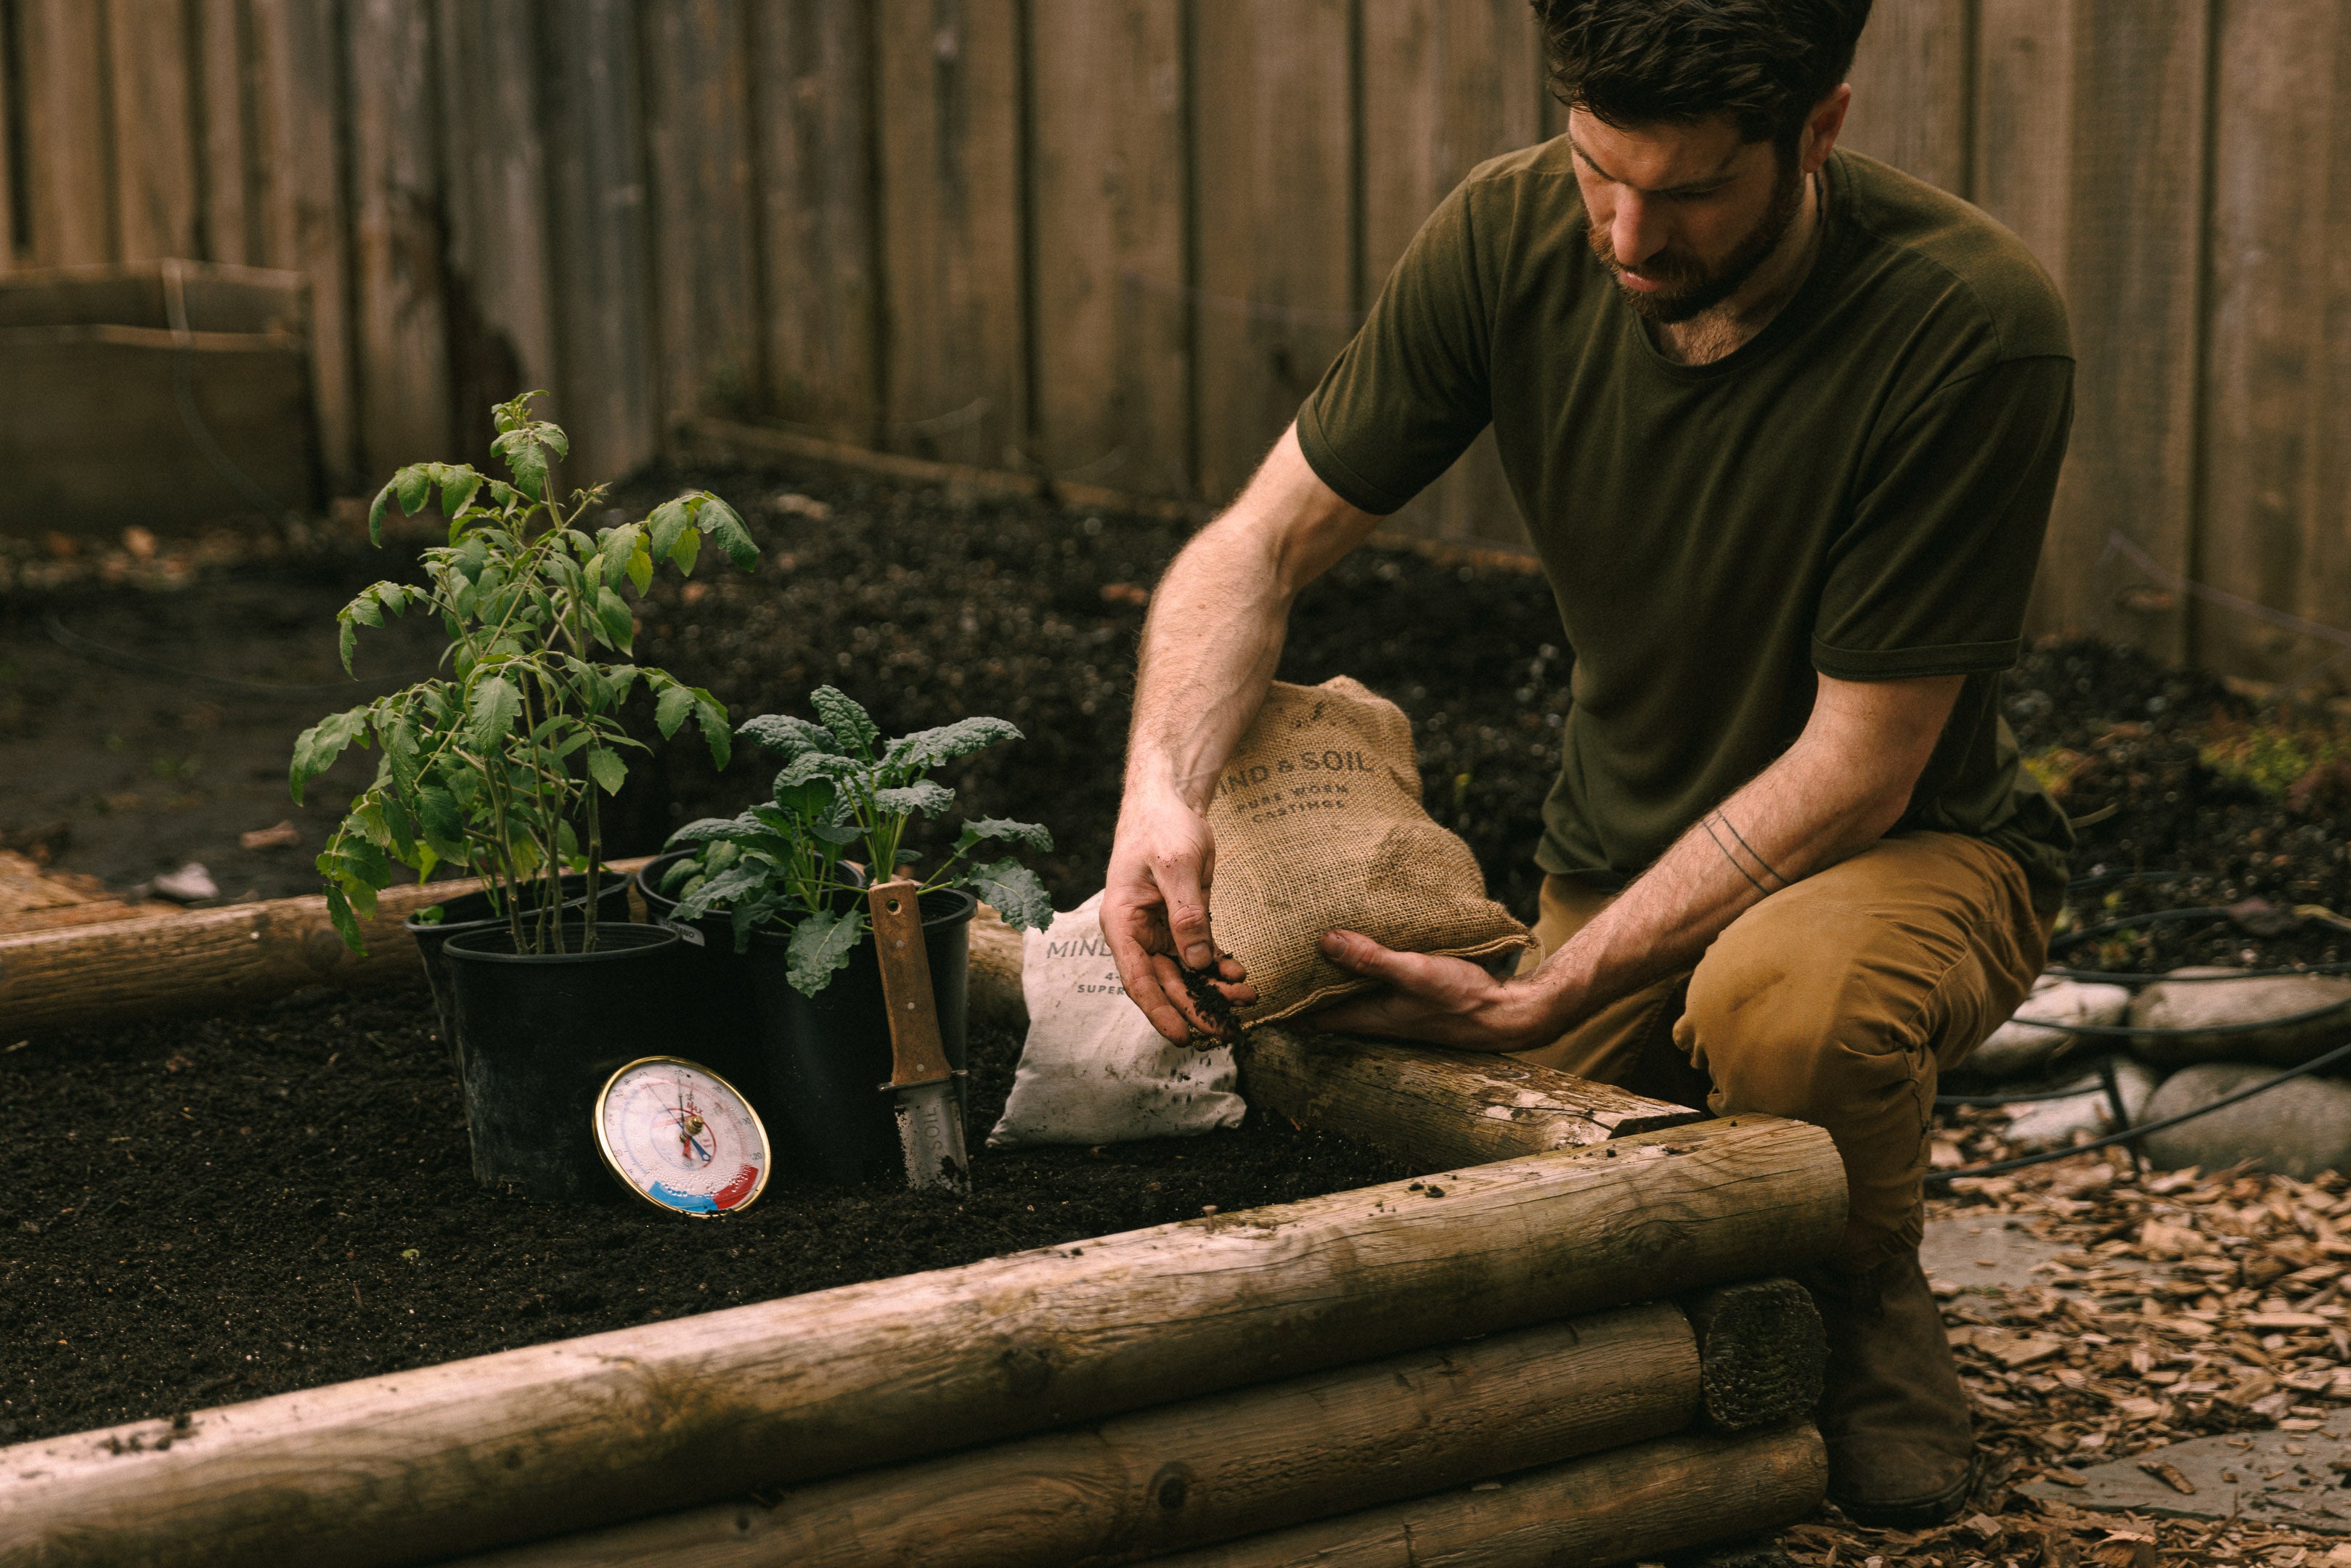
(2129, 1135)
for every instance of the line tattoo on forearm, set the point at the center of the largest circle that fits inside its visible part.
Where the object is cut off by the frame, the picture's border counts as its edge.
(1742, 857)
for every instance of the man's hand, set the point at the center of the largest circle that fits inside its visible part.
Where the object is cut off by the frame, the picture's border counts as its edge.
(1439, 1001)
(1155, 912)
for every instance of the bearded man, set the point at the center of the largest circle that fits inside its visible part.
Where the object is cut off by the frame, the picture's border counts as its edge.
(1784, 424)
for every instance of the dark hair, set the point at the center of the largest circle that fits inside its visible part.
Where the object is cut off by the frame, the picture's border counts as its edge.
(1765, 63)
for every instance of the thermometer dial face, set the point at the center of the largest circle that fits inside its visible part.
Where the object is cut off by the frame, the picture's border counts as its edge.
(681, 1137)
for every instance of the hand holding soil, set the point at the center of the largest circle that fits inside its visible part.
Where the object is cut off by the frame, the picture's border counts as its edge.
(1155, 910)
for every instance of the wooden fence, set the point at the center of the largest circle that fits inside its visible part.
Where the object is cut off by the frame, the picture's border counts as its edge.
(1117, 241)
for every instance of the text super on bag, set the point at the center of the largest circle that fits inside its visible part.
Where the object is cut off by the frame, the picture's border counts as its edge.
(1318, 828)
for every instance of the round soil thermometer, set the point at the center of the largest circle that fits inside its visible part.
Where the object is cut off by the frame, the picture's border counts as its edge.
(681, 1137)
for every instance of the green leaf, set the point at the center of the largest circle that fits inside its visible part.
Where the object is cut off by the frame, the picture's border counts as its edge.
(927, 796)
(926, 748)
(820, 946)
(614, 545)
(687, 551)
(607, 768)
(365, 610)
(670, 522)
(347, 925)
(671, 709)
(444, 823)
(711, 715)
(316, 748)
(717, 519)
(641, 570)
(375, 515)
(1028, 835)
(849, 723)
(495, 706)
(705, 830)
(787, 735)
(812, 766)
(395, 598)
(525, 460)
(612, 614)
(347, 642)
(720, 891)
(457, 491)
(1016, 892)
(414, 487)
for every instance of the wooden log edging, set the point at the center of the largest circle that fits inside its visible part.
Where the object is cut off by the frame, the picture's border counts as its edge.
(1763, 1354)
(1204, 1470)
(517, 1446)
(205, 959)
(1624, 1505)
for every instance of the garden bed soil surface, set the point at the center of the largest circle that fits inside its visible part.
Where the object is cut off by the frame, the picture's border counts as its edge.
(202, 1211)
(332, 1130)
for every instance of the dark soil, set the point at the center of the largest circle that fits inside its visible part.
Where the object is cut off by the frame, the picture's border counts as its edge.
(197, 1212)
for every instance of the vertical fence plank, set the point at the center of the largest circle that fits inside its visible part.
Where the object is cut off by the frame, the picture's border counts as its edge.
(69, 113)
(402, 329)
(15, 236)
(597, 185)
(2275, 442)
(1108, 193)
(299, 81)
(1271, 182)
(950, 141)
(812, 70)
(1456, 83)
(2133, 207)
(226, 221)
(495, 281)
(154, 144)
(698, 129)
(1911, 90)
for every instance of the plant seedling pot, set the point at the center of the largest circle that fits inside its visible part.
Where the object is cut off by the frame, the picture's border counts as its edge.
(541, 1033)
(713, 1017)
(474, 911)
(828, 1056)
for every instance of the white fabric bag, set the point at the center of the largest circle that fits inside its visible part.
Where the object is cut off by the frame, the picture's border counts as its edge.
(1092, 1070)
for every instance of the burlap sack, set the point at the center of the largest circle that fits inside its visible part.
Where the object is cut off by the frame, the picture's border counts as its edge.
(1319, 826)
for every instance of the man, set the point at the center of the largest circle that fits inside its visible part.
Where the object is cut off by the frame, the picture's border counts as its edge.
(1785, 425)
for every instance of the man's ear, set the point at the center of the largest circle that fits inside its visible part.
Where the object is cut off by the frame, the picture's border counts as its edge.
(1823, 127)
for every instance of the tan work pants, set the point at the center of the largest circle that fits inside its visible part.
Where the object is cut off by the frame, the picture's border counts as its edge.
(1836, 1001)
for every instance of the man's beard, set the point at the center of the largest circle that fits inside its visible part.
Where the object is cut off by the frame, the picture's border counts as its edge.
(1689, 288)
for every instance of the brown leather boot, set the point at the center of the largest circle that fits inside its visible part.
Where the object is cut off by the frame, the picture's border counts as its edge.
(1901, 1451)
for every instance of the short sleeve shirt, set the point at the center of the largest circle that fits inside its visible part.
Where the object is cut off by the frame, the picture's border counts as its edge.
(1860, 490)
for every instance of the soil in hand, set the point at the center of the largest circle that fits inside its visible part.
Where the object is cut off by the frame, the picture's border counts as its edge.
(1211, 1004)
(202, 1211)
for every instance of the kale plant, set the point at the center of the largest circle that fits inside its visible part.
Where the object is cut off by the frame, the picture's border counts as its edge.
(495, 764)
(842, 787)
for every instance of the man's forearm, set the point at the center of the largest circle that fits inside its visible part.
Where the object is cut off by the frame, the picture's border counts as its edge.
(1825, 798)
(1218, 619)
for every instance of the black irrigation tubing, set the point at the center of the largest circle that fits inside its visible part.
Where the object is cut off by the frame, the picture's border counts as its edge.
(2129, 1134)
(123, 659)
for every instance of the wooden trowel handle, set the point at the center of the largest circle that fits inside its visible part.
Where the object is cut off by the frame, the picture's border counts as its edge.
(915, 1055)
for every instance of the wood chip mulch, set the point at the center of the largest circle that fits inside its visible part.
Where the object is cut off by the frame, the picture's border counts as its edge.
(2192, 1303)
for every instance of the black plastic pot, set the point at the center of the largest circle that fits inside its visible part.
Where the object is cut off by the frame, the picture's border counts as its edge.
(713, 1016)
(541, 1033)
(474, 911)
(828, 1055)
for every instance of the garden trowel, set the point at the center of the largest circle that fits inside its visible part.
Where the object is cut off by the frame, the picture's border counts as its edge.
(930, 1114)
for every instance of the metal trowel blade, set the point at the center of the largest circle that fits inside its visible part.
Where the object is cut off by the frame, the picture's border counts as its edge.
(930, 1132)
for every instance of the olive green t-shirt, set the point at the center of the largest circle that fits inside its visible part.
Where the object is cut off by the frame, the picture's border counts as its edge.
(1860, 489)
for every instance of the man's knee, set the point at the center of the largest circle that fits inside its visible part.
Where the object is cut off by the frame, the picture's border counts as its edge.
(1796, 1007)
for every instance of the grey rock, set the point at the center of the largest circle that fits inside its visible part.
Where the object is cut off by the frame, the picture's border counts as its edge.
(2208, 1009)
(192, 884)
(2052, 1123)
(2025, 1044)
(2297, 1129)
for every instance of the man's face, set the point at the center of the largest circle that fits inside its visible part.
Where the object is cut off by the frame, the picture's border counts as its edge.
(1681, 214)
